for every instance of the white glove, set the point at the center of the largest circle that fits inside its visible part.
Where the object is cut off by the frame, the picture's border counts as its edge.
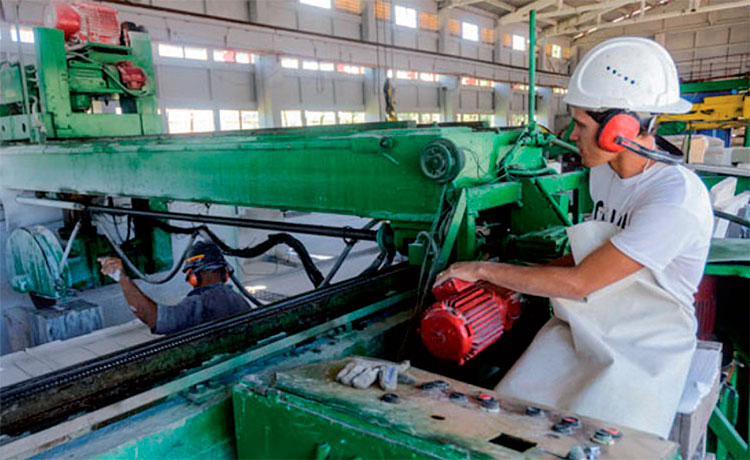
(361, 373)
(115, 275)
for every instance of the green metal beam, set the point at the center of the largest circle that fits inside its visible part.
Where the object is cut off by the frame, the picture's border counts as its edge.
(727, 435)
(351, 172)
(715, 85)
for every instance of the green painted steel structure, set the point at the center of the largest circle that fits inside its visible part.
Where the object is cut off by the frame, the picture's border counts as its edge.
(63, 84)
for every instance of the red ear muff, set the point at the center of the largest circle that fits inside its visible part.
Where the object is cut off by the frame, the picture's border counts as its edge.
(617, 125)
(193, 278)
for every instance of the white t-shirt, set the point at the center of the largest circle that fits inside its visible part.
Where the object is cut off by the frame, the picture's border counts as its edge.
(667, 222)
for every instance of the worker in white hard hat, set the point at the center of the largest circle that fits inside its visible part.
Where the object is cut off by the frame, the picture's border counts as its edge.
(621, 340)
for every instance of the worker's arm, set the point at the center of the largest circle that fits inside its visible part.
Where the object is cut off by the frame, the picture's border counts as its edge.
(601, 268)
(143, 307)
(564, 261)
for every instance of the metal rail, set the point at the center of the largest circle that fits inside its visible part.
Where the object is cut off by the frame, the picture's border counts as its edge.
(308, 229)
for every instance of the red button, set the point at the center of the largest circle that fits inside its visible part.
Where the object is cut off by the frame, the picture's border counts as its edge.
(614, 432)
(484, 397)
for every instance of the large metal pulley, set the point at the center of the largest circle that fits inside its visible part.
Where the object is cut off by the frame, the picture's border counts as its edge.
(441, 161)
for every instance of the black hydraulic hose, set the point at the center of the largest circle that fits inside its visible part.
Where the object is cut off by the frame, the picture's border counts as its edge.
(147, 278)
(273, 240)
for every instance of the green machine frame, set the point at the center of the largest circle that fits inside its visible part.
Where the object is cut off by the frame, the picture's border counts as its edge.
(53, 99)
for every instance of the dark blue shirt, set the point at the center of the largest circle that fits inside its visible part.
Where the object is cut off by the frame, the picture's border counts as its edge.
(202, 304)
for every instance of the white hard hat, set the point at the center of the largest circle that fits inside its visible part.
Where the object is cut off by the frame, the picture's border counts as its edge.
(631, 73)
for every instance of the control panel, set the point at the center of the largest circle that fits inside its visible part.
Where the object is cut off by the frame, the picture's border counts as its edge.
(440, 417)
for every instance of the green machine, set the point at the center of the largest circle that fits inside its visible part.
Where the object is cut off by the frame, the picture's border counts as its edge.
(101, 86)
(63, 95)
(437, 193)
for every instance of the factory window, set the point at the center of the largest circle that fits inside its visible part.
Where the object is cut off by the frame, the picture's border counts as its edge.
(231, 120)
(290, 63)
(426, 76)
(351, 6)
(310, 65)
(190, 121)
(382, 11)
(171, 51)
(238, 57)
(406, 75)
(519, 43)
(471, 81)
(27, 34)
(198, 54)
(291, 118)
(351, 117)
(560, 91)
(406, 17)
(470, 31)
(403, 116)
(519, 119)
(245, 58)
(454, 27)
(556, 51)
(318, 118)
(319, 3)
(428, 21)
(522, 87)
(350, 69)
(488, 35)
(419, 117)
(490, 119)
(429, 118)
(327, 67)
(467, 117)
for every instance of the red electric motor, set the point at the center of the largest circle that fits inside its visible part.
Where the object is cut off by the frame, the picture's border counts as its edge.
(131, 76)
(84, 21)
(467, 318)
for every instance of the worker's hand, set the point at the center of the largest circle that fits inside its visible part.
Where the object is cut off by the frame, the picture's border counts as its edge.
(112, 267)
(467, 271)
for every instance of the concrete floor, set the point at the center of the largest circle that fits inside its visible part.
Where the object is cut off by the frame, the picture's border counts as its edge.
(276, 275)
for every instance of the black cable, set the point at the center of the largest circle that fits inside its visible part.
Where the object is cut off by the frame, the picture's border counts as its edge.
(273, 240)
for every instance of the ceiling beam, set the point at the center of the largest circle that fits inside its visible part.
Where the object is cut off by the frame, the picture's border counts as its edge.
(447, 4)
(650, 17)
(593, 15)
(501, 4)
(584, 8)
(522, 14)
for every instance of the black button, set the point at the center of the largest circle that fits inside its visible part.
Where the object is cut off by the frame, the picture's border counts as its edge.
(435, 385)
(390, 398)
(458, 397)
(562, 428)
(533, 411)
(488, 402)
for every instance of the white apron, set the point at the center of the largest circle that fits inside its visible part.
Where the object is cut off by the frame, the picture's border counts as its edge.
(622, 355)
